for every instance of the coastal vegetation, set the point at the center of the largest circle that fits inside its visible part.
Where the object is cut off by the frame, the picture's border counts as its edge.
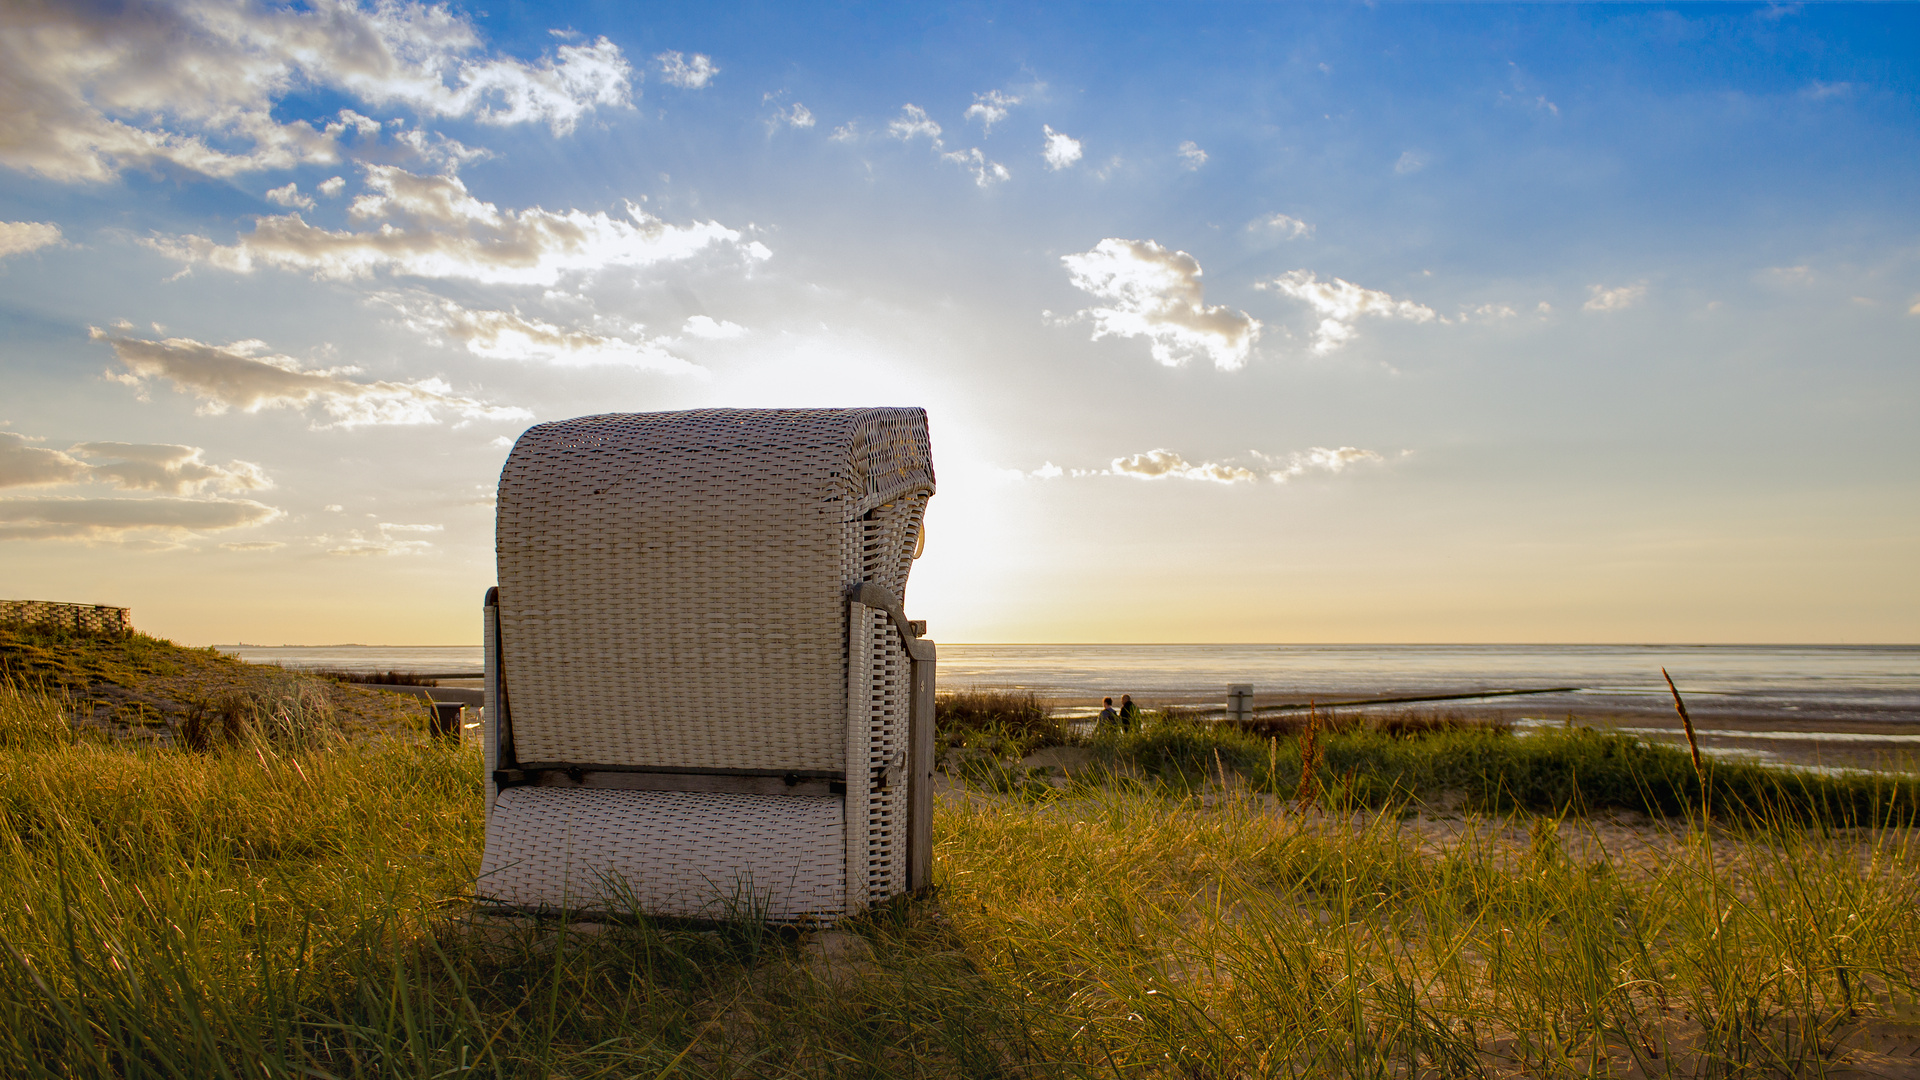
(131, 685)
(292, 901)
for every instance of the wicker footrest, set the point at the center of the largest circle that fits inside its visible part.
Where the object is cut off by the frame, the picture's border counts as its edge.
(696, 854)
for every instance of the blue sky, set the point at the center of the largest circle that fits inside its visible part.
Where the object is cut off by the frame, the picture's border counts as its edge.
(1235, 322)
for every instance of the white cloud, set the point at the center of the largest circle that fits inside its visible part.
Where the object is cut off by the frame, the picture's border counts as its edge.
(332, 187)
(383, 541)
(703, 326)
(912, 123)
(92, 90)
(442, 231)
(506, 335)
(985, 173)
(991, 107)
(232, 377)
(1061, 150)
(1287, 228)
(72, 518)
(1412, 161)
(677, 70)
(846, 132)
(1489, 313)
(1341, 304)
(1317, 459)
(795, 116)
(1601, 298)
(1191, 156)
(289, 195)
(1165, 464)
(1156, 294)
(1787, 275)
(18, 237)
(163, 467)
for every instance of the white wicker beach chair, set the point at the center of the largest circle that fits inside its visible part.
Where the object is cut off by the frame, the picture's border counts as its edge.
(703, 696)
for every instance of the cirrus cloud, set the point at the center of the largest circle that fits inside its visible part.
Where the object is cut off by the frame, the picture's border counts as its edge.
(1156, 294)
(233, 376)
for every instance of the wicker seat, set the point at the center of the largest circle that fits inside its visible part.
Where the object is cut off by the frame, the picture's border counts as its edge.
(703, 695)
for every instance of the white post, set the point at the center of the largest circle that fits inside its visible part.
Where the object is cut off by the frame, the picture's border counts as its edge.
(1240, 702)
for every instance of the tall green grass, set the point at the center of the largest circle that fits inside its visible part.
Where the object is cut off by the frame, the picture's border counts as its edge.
(281, 908)
(1488, 769)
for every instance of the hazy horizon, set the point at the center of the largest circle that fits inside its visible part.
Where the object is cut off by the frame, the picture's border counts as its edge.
(1304, 324)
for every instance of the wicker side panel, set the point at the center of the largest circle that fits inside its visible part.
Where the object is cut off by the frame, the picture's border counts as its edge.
(672, 584)
(879, 731)
(675, 853)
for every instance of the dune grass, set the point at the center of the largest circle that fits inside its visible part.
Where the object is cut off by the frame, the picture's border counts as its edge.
(288, 907)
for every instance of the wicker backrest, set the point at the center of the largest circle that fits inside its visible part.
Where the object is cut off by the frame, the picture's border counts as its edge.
(673, 586)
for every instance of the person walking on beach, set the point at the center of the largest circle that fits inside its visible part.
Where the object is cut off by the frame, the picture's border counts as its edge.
(1108, 718)
(1129, 714)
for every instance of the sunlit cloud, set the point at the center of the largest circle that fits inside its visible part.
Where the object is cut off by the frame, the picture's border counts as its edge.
(1191, 156)
(20, 237)
(1341, 305)
(1412, 161)
(1061, 150)
(91, 90)
(1156, 294)
(1166, 465)
(506, 335)
(677, 70)
(432, 227)
(1601, 298)
(232, 376)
